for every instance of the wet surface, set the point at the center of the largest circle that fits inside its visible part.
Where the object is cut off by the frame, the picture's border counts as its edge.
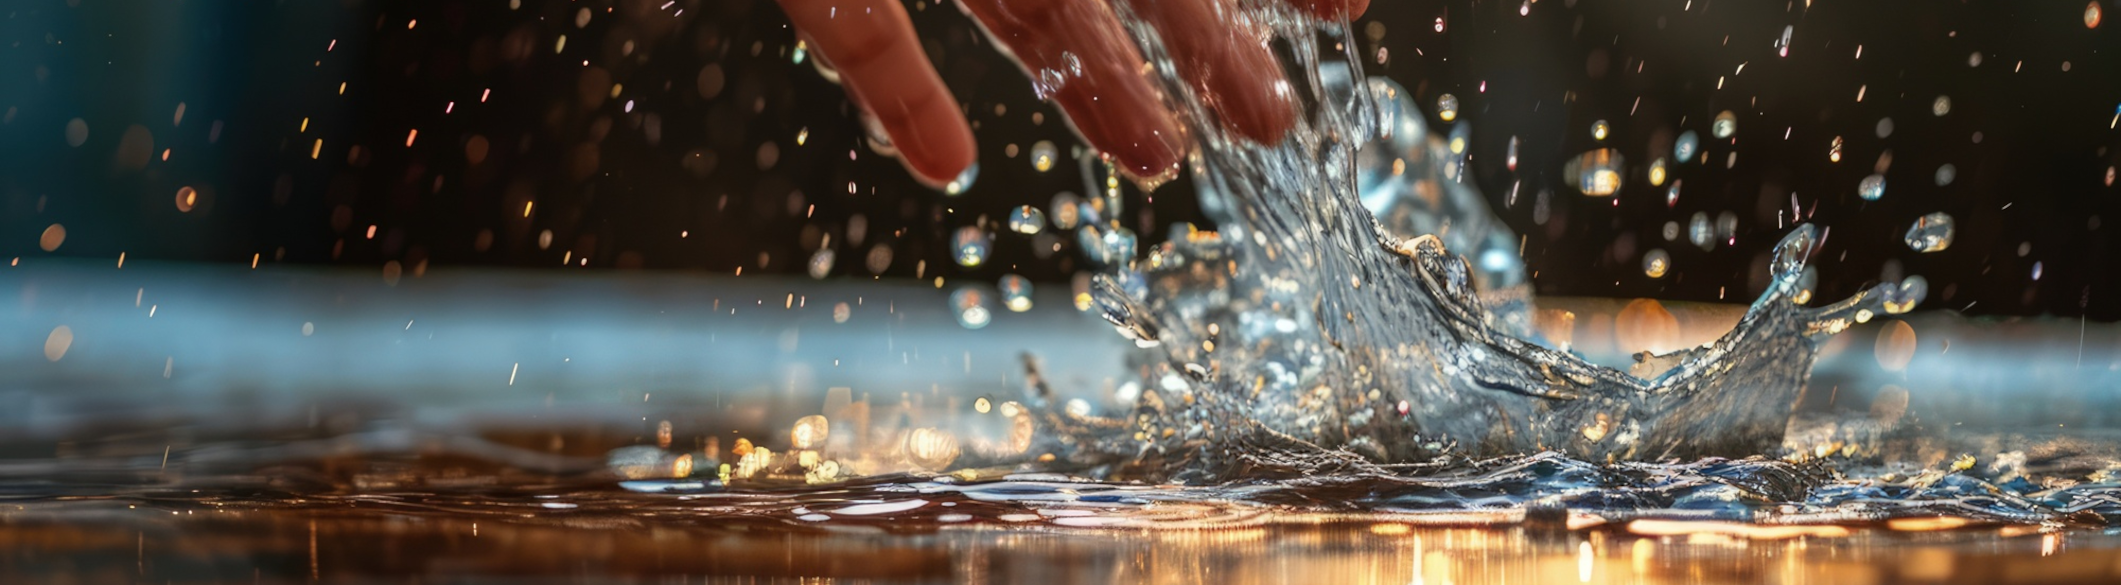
(604, 535)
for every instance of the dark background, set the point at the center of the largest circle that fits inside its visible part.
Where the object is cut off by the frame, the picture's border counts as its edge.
(652, 154)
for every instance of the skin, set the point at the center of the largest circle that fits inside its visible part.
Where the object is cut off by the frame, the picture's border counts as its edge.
(1102, 86)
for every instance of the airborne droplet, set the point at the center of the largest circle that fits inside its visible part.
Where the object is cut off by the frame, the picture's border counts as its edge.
(1042, 155)
(1872, 187)
(76, 132)
(1726, 124)
(1027, 220)
(1930, 233)
(969, 246)
(1656, 262)
(821, 263)
(957, 186)
(1110, 246)
(1447, 107)
(879, 259)
(1016, 292)
(1067, 210)
(1595, 173)
(970, 306)
(1727, 226)
(1688, 144)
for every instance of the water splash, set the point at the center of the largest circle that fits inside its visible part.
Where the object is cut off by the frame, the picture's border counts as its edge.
(1305, 323)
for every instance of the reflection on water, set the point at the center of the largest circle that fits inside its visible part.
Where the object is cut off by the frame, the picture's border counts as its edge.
(1026, 529)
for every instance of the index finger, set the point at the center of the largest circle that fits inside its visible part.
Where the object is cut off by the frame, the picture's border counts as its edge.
(881, 64)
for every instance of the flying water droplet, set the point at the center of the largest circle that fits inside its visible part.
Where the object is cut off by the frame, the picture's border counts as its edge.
(1596, 173)
(1102, 178)
(1599, 130)
(969, 246)
(1885, 127)
(2092, 14)
(970, 305)
(1106, 246)
(1016, 292)
(76, 132)
(1043, 155)
(1871, 188)
(1671, 196)
(1946, 173)
(1656, 262)
(1700, 232)
(957, 186)
(1942, 106)
(1447, 107)
(879, 259)
(821, 263)
(1727, 227)
(1067, 210)
(1027, 220)
(1657, 172)
(1725, 125)
(1931, 233)
(1687, 146)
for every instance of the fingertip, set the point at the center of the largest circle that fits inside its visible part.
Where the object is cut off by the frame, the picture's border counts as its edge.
(1356, 8)
(935, 144)
(884, 70)
(1250, 94)
(1155, 154)
(1259, 111)
(1230, 65)
(1144, 143)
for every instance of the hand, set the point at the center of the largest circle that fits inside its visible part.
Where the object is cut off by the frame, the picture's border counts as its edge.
(1078, 56)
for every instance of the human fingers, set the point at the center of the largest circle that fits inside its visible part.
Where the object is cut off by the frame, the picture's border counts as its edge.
(1078, 56)
(1227, 62)
(880, 61)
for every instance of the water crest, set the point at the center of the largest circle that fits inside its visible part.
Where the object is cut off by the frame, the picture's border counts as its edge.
(1390, 323)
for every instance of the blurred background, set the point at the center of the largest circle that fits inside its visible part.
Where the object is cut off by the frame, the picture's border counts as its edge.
(406, 138)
